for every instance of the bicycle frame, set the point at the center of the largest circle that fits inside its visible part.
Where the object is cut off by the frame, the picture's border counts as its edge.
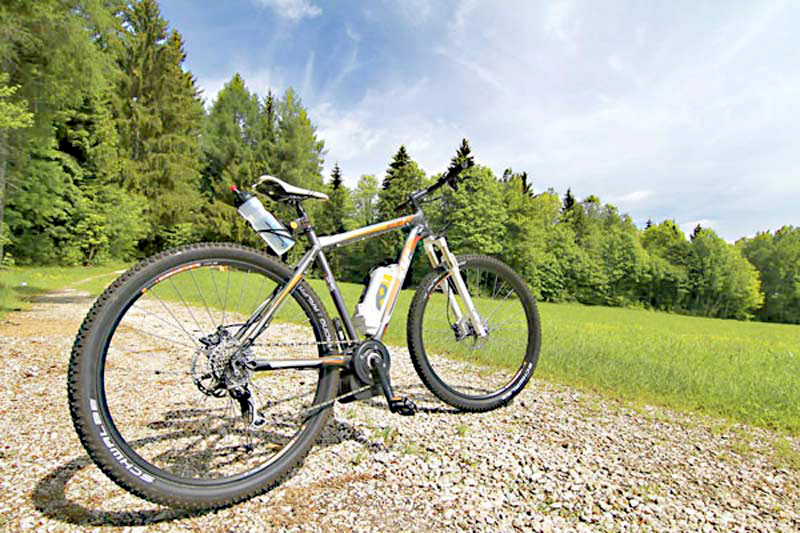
(264, 314)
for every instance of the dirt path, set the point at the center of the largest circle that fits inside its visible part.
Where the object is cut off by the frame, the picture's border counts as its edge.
(556, 459)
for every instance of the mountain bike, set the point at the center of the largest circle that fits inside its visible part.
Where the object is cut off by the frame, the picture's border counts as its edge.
(204, 374)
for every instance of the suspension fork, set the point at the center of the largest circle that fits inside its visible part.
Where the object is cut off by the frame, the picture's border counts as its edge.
(445, 258)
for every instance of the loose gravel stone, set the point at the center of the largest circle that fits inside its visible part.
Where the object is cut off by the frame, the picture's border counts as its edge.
(556, 459)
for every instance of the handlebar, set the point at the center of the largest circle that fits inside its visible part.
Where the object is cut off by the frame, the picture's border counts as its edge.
(416, 196)
(458, 164)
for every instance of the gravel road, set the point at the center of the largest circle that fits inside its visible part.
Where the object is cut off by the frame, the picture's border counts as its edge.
(557, 459)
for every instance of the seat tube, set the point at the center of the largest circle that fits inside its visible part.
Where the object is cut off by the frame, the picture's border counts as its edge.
(330, 281)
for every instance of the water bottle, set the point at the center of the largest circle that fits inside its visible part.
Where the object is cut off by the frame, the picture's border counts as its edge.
(266, 225)
(370, 310)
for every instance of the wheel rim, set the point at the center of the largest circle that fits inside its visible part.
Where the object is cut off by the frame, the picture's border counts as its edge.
(468, 366)
(154, 357)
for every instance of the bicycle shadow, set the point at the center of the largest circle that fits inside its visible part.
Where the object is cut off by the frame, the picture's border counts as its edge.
(50, 497)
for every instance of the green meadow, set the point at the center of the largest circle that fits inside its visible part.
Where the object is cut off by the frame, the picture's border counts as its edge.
(743, 371)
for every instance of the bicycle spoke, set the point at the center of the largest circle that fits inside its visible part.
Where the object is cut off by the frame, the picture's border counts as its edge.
(241, 294)
(141, 309)
(505, 299)
(216, 290)
(199, 327)
(225, 303)
(153, 292)
(200, 293)
(128, 326)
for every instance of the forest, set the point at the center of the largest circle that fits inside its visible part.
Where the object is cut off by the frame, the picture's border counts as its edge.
(108, 151)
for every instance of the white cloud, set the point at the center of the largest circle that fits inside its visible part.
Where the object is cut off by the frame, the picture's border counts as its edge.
(462, 12)
(291, 9)
(630, 198)
(352, 34)
(482, 72)
(346, 132)
(306, 89)
(559, 22)
(362, 138)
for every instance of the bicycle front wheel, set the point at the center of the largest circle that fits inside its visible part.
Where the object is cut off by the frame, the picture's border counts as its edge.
(465, 370)
(159, 388)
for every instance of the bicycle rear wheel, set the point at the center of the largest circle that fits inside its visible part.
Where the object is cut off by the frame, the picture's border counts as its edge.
(158, 387)
(462, 369)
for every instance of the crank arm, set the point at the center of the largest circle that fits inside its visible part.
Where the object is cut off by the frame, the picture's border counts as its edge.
(259, 365)
(397, 404)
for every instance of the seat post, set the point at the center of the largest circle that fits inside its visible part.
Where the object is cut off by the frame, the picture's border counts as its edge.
(305, 223)
(298, 206)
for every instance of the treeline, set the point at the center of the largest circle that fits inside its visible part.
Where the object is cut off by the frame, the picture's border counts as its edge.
(106, 151)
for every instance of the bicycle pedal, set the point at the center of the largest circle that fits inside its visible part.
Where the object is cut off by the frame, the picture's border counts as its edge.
(402, 406)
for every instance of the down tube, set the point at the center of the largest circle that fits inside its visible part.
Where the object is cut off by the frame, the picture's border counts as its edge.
(403, 264)
(262, 316)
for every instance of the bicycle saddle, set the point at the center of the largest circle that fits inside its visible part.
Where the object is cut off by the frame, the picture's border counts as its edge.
(280, 190)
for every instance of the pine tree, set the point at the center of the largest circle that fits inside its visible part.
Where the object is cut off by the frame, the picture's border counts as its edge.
(518, 179)
(298, 154)
(338, 201)
(569, 201)
(460, 162)
(159, 115)
(695, 232)
(478, 214)
(335, 219)
(402, 178)
(232, 135)
(236, 143)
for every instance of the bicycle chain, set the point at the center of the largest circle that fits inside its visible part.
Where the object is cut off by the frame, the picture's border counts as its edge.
(314, 409)
(292, 344)
(320, 406)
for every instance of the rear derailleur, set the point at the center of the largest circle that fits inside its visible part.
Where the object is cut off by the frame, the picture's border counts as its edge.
(219, 367)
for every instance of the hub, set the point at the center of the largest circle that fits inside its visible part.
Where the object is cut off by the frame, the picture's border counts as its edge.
(219, 367)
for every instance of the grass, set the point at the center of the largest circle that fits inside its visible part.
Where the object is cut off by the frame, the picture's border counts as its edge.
(743, 371)
(784, 455)
(19, 284)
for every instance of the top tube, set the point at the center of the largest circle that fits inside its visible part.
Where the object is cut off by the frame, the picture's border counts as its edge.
(373, 230)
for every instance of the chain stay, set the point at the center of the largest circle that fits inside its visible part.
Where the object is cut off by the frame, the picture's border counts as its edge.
(314, 409)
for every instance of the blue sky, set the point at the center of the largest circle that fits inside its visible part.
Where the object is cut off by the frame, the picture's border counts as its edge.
(681, 110)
